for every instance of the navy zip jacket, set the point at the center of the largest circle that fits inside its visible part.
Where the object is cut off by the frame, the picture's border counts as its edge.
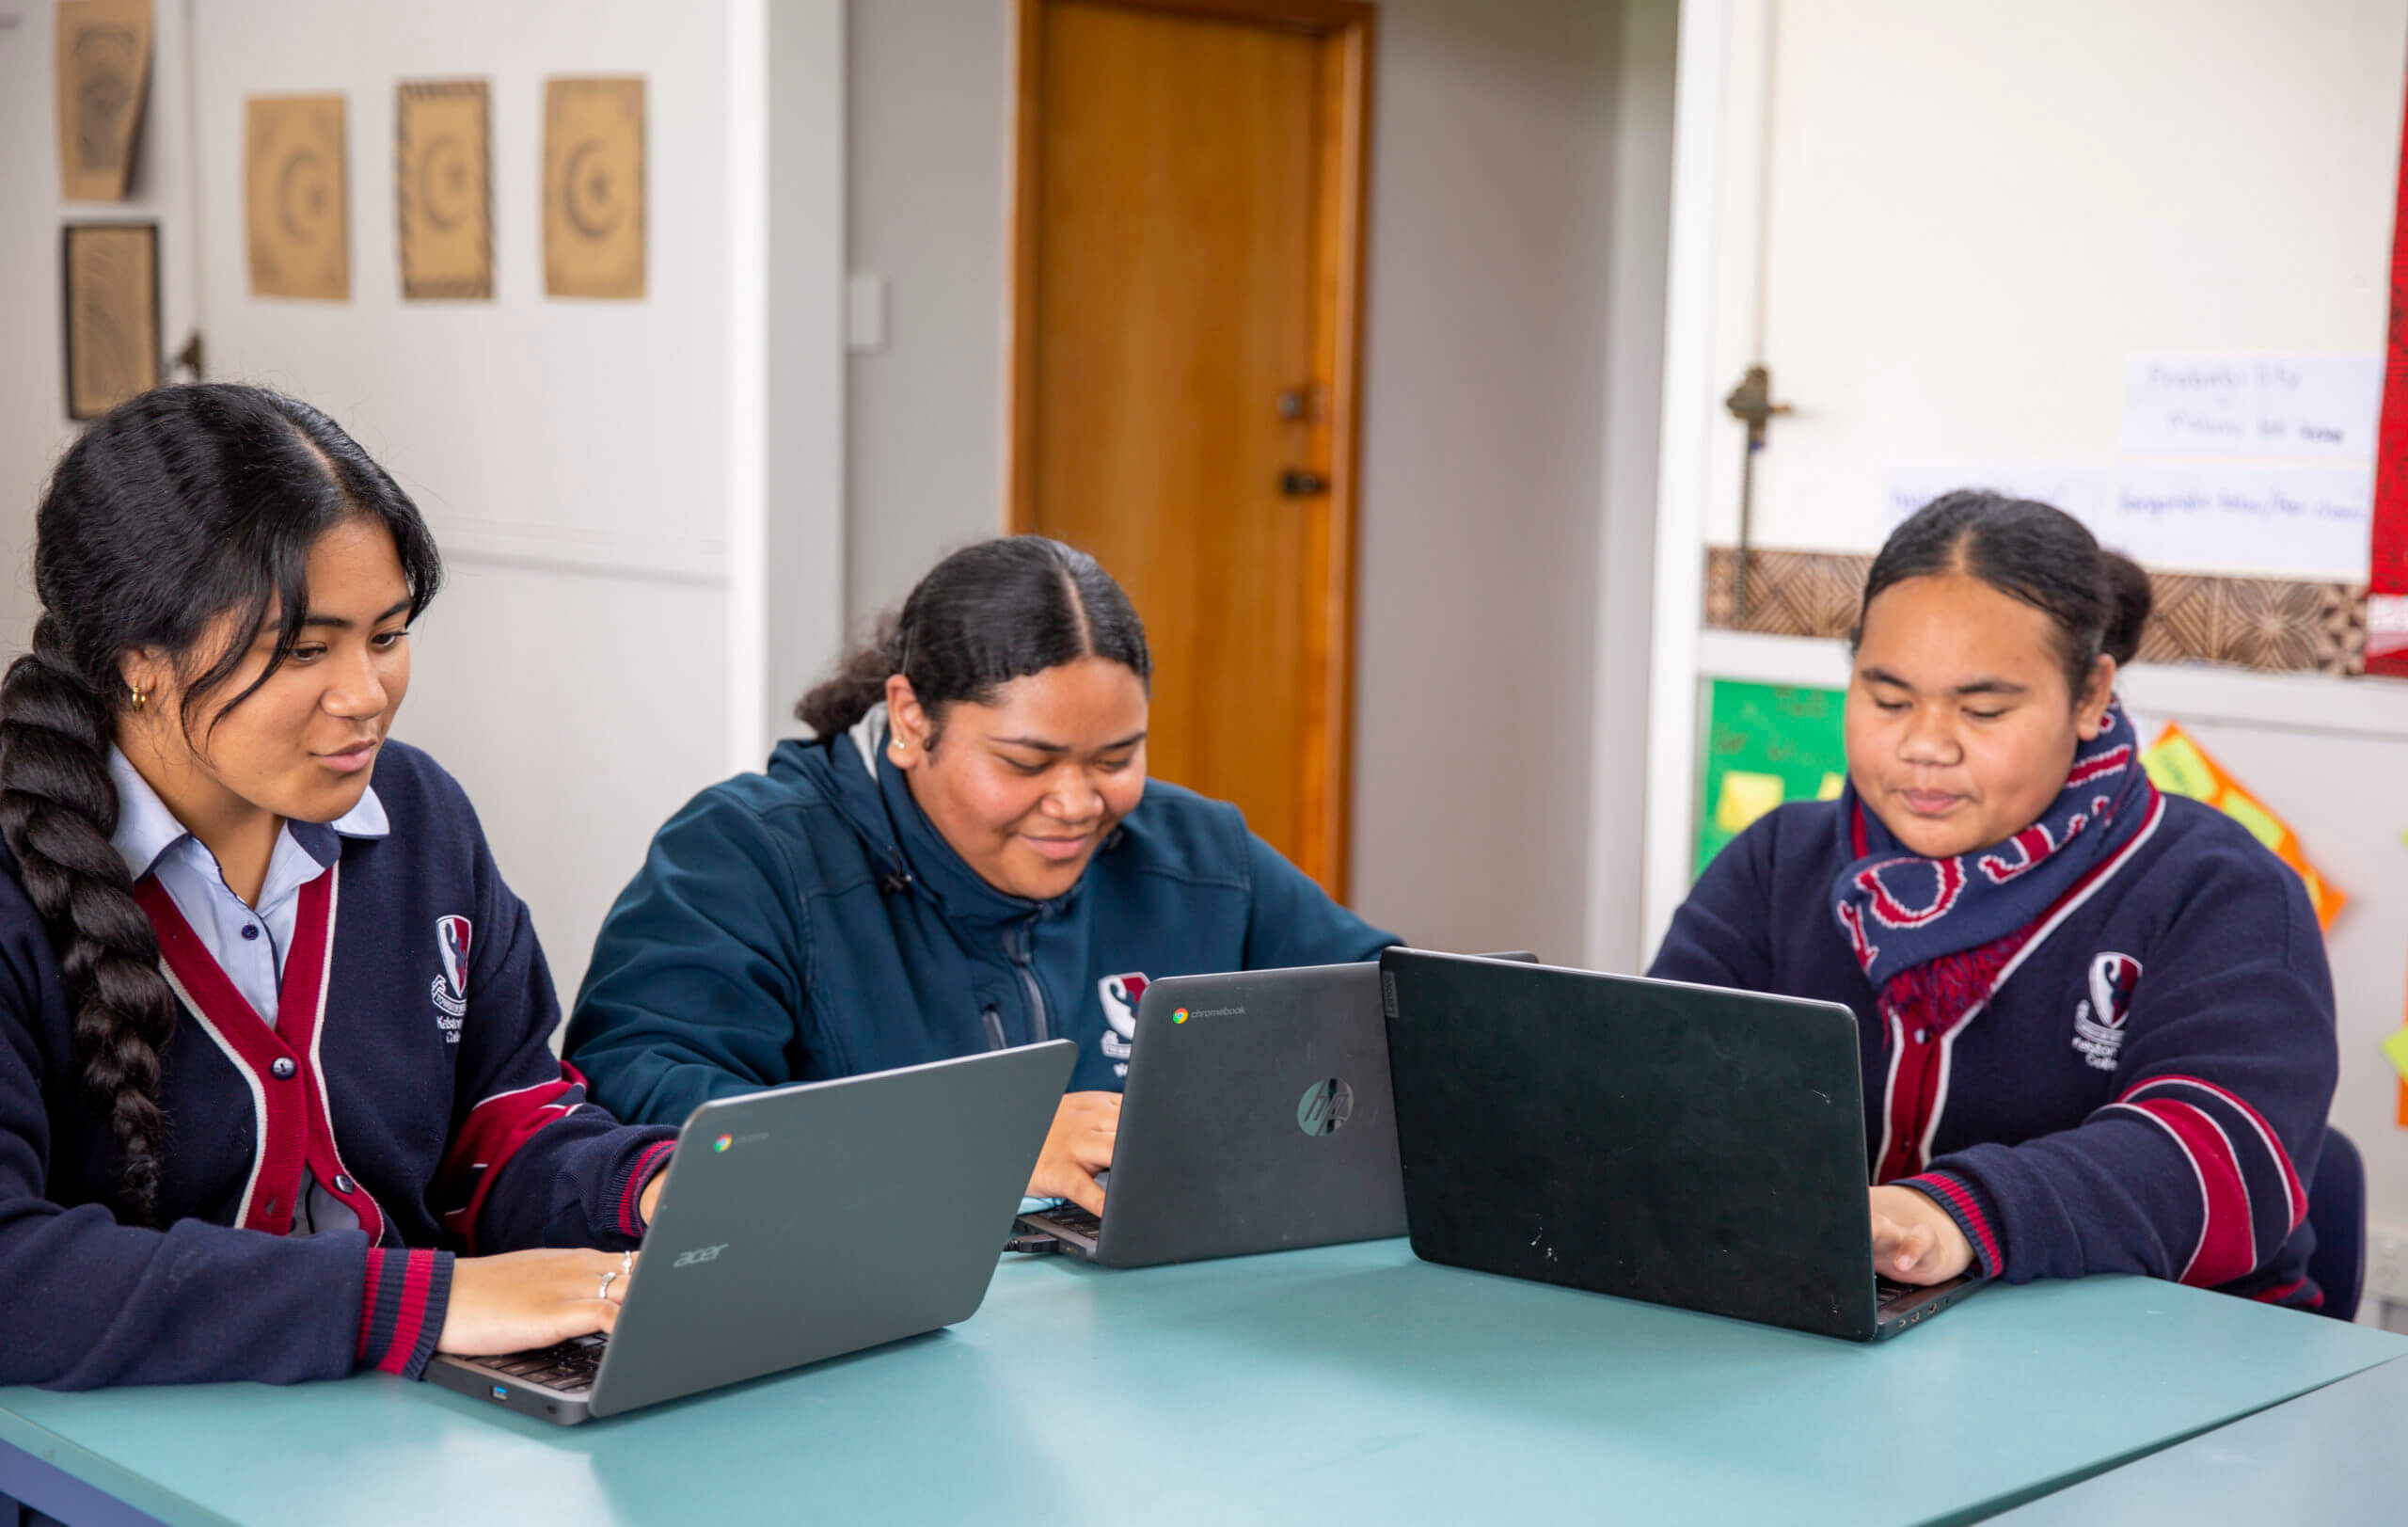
(2145, 1091)
(410, 1074)
(811, 922)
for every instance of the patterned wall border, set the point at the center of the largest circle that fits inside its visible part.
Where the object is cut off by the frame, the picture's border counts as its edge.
(2258, 623)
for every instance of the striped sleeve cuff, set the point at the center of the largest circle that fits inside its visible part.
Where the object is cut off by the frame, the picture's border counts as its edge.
(643, 1167)
(1963, 1204)
(401, 1307)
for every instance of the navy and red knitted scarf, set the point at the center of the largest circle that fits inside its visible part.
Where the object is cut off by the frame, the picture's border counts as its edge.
(1933, 934)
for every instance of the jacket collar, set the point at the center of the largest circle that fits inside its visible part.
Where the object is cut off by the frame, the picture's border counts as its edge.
(876, 800)
(146, 829)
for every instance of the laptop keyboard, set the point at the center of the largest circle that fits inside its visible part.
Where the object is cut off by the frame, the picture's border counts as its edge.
(1071, 1217)
(1887, 1291)
(568, 1367)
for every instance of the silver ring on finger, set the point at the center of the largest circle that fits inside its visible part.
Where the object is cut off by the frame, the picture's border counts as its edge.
(626, 1263)
(608, 1278)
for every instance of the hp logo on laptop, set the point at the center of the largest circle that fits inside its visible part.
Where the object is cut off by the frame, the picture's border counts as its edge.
(1324, 1107)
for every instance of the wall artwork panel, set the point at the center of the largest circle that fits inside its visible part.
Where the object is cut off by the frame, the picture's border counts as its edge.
(111, 322)
(593, 187)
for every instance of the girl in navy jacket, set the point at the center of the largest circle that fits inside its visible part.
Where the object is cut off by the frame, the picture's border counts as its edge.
(2096, 1021)
(968, 856)
(273, 1043)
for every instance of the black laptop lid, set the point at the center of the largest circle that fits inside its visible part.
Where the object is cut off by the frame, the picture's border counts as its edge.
(1680, 1144)
(1256, 1119)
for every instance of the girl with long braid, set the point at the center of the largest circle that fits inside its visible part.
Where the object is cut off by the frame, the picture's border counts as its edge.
(277, 1100)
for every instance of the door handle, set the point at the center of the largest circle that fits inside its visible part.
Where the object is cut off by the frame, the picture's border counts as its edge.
(1297, 482)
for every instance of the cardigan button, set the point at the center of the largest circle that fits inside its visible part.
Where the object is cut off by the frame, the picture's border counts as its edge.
(344, 1184)
(284, 1070)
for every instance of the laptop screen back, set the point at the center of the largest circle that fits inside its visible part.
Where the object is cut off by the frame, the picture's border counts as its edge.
(1679, 1144)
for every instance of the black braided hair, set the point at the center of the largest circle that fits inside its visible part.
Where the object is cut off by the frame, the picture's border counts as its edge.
(993, 612)
(179, 508)
(2098, 600)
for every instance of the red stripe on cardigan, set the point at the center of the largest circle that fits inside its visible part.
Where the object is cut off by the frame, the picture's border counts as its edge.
(630, 1222)
(496, 1130)
(412, 1323)
(2297, 1204)
(298, 1129)
(368, 1309)
(283, 1145)
(1968, 1208)
(2227, 1247)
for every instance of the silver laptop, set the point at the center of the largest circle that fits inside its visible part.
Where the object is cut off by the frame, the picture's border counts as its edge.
(1256, 1117)
(756, 1262)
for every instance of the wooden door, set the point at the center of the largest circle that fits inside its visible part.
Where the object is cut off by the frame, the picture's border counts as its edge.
(1189, 222)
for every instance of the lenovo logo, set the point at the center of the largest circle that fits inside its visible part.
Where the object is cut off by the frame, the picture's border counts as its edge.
(698, 1256)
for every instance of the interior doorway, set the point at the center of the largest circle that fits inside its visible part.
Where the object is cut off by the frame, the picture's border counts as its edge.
(1187, 300)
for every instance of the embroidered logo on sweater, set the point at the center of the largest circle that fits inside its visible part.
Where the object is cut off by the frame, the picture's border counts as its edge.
(2099, 1018)
(1119, 995)
(450, 988)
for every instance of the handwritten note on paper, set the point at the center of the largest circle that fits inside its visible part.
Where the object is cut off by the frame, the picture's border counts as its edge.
(2281, 520)
(2251, 404)
(2085, 492)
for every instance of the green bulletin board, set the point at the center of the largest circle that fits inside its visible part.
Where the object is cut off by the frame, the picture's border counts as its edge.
(1765, 744)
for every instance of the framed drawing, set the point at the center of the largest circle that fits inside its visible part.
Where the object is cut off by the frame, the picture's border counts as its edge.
(593, 187)
(443, 189)
(110, 294)
(103, 72)
(295, 207)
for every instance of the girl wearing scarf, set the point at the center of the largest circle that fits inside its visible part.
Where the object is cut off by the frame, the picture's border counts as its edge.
(2096, 1022)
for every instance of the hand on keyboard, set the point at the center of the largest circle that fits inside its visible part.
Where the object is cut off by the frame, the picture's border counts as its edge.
(1076, 1148)
(524, 1299)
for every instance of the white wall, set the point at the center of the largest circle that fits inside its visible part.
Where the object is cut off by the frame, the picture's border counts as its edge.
(1962, 220)
(1491, 182)
(1493, 211)
(928, 144)
(637, 577)
(34, 427)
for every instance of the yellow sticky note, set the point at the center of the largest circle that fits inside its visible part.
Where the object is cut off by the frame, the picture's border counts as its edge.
(2248, 813)
(1745, 797)
(2177, 767)
(1831, 786)
(2395, 1050)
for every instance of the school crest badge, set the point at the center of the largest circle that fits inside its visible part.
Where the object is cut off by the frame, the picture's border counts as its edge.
(2099, 1018)
(450, 988)
(1119, 995)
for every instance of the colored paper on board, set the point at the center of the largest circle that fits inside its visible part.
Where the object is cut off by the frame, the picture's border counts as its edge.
(2395, 1050)
(2181, 766)
(1765, 744)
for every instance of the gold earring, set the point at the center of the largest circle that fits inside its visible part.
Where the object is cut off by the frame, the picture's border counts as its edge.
(139, 696)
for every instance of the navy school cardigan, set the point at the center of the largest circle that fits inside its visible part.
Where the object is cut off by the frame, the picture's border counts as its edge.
(2144, 1091)
(427, 1085)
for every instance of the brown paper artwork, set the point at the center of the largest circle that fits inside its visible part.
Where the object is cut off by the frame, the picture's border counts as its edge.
(593, 187)
(104, 71)
(293, 199)
(443, 186)
(112, 317)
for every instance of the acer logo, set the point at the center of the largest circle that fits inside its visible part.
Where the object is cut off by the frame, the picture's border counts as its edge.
(698, 1256)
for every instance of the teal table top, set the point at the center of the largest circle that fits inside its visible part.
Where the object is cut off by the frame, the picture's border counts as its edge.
(2329, 1457)
(1347, 1383)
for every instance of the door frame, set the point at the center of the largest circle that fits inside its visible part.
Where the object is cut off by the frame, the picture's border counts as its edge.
(1345, 30)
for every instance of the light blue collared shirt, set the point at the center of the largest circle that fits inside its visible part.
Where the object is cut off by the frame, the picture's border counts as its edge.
(249, 945)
